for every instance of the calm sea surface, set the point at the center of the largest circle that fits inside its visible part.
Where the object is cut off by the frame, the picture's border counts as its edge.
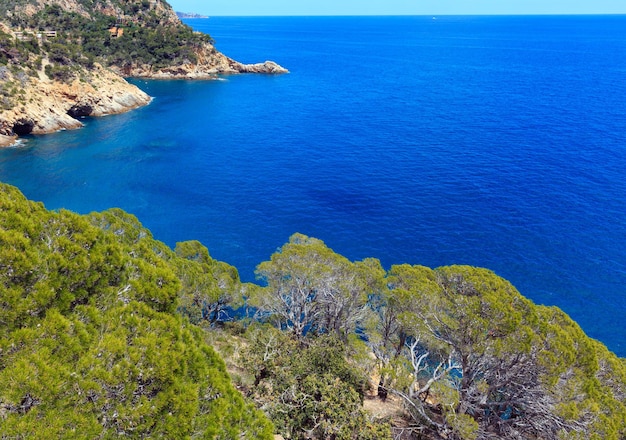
(490, 141)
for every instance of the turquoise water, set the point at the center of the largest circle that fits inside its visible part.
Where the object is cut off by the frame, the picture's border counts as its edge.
(491, 141)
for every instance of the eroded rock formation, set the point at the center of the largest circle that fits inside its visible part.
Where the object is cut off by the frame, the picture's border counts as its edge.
(48, 106)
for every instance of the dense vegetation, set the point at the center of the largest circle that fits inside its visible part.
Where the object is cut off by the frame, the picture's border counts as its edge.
(90, 344)
(469, 356)
(18, 61)
(106, 332)
(124, 34)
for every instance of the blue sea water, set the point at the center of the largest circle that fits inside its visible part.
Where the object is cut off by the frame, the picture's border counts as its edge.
(491, 141)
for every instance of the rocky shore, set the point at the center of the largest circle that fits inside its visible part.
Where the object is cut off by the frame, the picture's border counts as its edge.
(6, 141)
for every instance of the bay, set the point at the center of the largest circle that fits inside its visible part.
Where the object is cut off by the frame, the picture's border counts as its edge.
(491, 141)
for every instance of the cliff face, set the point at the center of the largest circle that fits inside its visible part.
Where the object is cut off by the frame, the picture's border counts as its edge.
(47, 106)
(47, 83)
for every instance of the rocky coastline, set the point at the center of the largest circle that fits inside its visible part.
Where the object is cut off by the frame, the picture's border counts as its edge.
(48, 106)
(50, 77)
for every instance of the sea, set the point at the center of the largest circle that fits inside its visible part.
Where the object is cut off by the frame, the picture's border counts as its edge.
(492, 141)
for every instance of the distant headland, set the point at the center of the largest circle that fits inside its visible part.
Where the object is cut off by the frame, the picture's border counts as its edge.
(190, 15)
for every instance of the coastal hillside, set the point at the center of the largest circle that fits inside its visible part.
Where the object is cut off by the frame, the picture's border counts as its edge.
(105, 332)
(65, 59)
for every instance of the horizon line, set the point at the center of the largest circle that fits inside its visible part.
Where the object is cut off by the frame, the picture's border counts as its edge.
(537, 14)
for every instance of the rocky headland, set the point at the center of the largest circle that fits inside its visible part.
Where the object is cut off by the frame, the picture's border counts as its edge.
(49, 81)
(210, 63)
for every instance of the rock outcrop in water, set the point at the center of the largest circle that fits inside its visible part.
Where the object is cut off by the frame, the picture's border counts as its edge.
(51, 78)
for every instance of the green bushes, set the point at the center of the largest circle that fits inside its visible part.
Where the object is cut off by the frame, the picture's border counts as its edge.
(146, 39)
(310, 390)
(59, 73)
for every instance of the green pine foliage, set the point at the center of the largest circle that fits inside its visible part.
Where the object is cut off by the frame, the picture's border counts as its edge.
(99, 338)
(90, 344)
(209, 287)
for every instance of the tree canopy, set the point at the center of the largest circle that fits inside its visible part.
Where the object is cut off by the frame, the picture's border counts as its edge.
(469, 355)
(90, 341)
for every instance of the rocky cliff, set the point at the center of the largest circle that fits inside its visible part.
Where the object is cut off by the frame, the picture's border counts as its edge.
(47, 106)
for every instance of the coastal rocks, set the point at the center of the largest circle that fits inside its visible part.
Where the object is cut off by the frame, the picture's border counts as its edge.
(7, 141)
(46, 106)
(267, 67)
(211, 60)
